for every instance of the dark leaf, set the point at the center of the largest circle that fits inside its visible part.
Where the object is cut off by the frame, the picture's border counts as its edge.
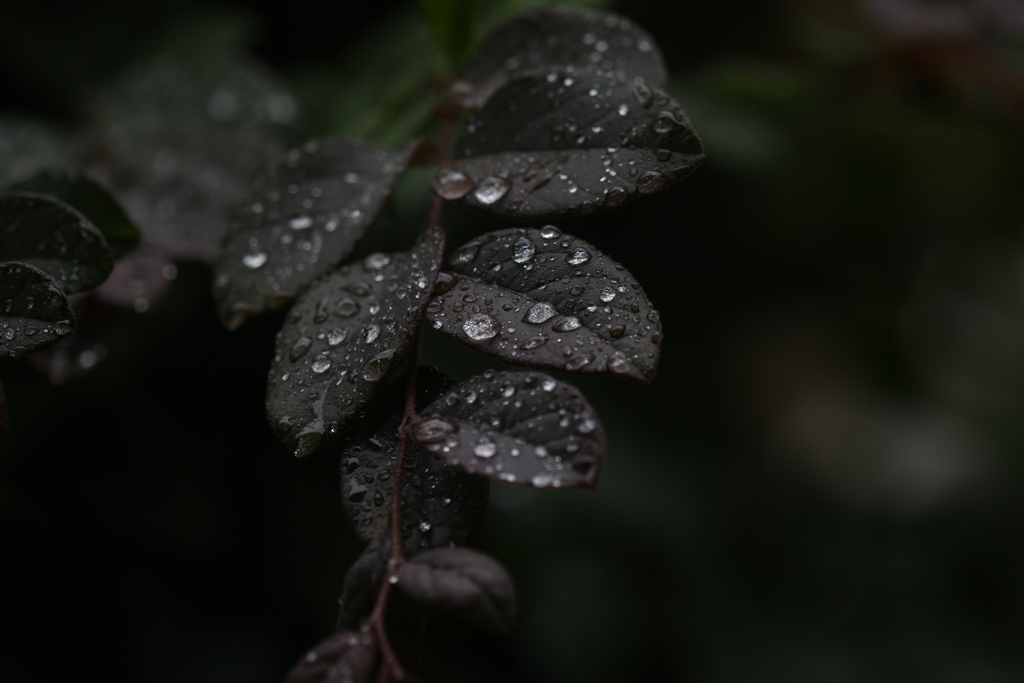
(452, 22)
(34, 311)
(441, 504)
(346, 657)
(362, 580)
(177, 217)
(569, 142)
(547, 38)
(520, 427)
(548, 300)
(465, 583)
(55, 238)
(138, 281)
(303, 218)
(92, 200)
(345, 339)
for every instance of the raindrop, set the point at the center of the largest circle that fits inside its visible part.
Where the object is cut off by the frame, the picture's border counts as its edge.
(479, 327)
(371, 333)
(548, 384)
(607, 294)
(347, 308)
(321, 364)
(550, 232)
(378, 366)
(540, 312)
(534, 342)
(666, 122)
(577, 362)
(643, 95)
(652, 181)
(491, 189)
(336, 336)
(567, 324)
(465, 255)
(254, 261)
(375, 262)
(523, 250)
(300, 223)
(620, 365)
(299, 348)
(433, 430)
(578, 256)
(587, 426)
(451, 184)
(623, 110)
(614, 196)
(485, 448)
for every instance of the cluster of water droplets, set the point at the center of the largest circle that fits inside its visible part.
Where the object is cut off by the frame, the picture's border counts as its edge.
(33, 313)
(524, 428)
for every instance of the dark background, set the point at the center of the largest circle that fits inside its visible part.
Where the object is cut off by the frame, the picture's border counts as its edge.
(822, 484)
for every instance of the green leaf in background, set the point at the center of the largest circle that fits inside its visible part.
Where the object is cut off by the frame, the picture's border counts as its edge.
(57, 239)
(454, 23)
(92, 200)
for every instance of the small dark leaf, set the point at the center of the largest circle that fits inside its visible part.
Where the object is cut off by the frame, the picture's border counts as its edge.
(556, 37)
(441, 504)
(346, 657)
(465, 583)
(362, 580)
(53, 237)
(345, 339)
(549, 300)
(34, 311)
(520, 427)
(303, 218)
(92, 200)
(569, 142)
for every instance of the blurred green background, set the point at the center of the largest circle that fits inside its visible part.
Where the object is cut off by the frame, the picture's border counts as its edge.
(823, 484)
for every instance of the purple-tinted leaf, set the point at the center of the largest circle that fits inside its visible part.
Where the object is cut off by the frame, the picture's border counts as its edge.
(569, 142)
(362, 580)
(57, 239)
(541, 298)
(346, 657)
(345, 339)
(465, 583)
(34, 311)
(138, 281)
(304, 217)
(547, 38)
(92, 200)
(520, 427)
(441, 504)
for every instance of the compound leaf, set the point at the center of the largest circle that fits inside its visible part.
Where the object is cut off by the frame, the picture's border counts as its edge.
(441, 504)
(57, 239)
(465, 583)
(90, 199)
(557, 37)
(34, 311)
(520, 427)
(549, 300)
(569, 142)
(345, 339)
(304, 217)
(346, 657)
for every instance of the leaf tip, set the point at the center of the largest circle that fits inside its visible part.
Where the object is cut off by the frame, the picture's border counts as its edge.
(308, 443)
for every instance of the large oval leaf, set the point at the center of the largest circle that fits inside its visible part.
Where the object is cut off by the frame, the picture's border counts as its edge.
(345, 339)
(34, 311)
(55, 238)
(549, 300)
(90, 199)
(441, 504)
(465, 583)
(303, 219)
(569, 142)
(345, 657)
(520, 427)
(556, 37)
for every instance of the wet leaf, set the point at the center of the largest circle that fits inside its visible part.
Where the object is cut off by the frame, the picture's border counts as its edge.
(520, 427)
(556, 37)
(34, 311)
(345, 339)
(346, 657)
(441, 504)
(362, 580)
(569, 142)
(55, 238)
(177, 217)
(541, 298)
(304, 217)
(92, 200)
(465, 583)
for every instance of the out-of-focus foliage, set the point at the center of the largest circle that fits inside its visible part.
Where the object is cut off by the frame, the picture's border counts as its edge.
(823, 482)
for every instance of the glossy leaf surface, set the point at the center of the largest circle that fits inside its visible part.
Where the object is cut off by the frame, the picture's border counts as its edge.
(55, 238)
(441, 504)
(549, 300)
(520, 427)
(92, 200)
(556, 37)
(346, 657)
(345, 339)
(304, 217)
(34, 311)
(465, 583)
(569, 142)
